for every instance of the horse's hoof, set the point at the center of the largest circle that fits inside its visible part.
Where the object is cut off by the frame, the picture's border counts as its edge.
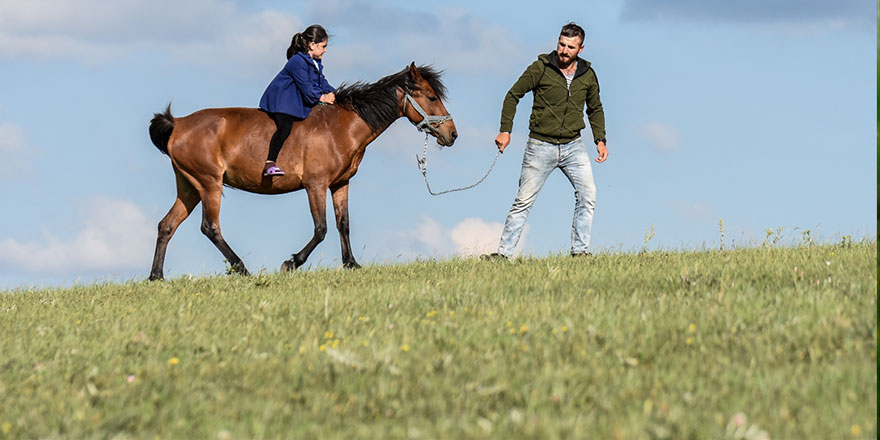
(351, 265)
(288, 266)
(156, 277)
(239, 269)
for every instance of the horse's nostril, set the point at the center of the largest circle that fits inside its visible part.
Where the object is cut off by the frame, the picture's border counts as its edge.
(454, 135)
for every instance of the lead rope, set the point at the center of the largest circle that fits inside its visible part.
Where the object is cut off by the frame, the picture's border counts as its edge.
(423, 166)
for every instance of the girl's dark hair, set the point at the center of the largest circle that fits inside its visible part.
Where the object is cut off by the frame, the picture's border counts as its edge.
(573, 30)
(300, 42)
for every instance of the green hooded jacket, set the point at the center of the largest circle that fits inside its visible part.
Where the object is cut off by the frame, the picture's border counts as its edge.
(557, 111)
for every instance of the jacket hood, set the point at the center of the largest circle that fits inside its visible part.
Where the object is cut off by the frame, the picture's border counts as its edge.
(551, 59)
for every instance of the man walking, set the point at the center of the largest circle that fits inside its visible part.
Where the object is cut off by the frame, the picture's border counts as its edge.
(562, 83)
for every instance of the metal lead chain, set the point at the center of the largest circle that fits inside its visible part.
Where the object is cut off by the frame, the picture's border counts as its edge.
(423, 166)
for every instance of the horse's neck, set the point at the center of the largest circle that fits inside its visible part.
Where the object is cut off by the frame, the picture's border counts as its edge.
(365, 134)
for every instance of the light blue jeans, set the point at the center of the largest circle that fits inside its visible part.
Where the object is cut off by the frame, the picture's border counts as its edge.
(539, 160)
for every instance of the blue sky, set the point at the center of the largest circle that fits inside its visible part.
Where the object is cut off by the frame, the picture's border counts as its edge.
(760, 113)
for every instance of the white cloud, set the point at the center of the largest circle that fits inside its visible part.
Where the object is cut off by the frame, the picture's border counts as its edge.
(227, 33)
(11, 138)
(114, 234)
(15, 154)
(840, 13)
(471, 236)
(662, 137)
(218, 32)
(252, 44)
(432, 237)
(452, 38)
(693, 211)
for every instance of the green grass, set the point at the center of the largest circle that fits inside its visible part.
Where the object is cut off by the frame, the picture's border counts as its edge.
(662, 344)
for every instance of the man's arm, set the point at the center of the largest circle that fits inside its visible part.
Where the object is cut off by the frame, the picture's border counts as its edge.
(526, 82)
(596, 115)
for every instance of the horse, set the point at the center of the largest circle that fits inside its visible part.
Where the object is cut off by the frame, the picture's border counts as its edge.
(227, 146)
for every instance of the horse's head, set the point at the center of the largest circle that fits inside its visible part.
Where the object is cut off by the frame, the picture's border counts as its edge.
(423, 106)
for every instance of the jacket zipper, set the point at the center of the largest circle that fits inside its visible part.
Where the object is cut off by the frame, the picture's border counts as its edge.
(565, 109)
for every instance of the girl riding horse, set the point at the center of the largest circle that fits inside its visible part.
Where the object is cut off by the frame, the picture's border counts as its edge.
(299, 86)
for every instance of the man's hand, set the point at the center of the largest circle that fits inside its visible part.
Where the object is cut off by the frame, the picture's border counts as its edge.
(328, 98)
(603, 152)
(502, 141)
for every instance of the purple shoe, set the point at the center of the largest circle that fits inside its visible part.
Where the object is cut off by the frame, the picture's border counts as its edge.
(272, 170)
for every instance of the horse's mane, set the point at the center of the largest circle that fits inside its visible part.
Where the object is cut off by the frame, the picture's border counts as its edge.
(376, 103)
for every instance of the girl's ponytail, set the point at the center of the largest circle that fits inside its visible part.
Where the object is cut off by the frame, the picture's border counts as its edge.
(295, 45)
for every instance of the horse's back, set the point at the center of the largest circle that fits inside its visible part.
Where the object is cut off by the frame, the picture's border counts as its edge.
(232, 143)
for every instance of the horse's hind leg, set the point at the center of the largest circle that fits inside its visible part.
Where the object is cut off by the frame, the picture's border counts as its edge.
(340, 207)
(187, 199)
(318, 206)
(211, 227)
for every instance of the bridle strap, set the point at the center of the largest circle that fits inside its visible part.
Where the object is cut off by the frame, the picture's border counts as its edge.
(428, 122)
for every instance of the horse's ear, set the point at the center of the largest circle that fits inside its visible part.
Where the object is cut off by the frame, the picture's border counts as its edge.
(414, 72)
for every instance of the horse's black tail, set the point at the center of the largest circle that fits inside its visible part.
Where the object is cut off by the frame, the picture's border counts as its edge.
(160, 129)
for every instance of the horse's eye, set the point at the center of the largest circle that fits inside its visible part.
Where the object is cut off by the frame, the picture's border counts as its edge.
(432, 98)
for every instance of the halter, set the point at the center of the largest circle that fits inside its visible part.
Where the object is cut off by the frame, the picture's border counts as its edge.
(428, 121)
(427, 124)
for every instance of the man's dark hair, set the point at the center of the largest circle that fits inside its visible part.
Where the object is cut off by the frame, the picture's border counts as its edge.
(573, 30)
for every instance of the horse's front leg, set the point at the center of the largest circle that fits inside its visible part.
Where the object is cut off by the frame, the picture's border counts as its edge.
(318, 206)
(340, 207)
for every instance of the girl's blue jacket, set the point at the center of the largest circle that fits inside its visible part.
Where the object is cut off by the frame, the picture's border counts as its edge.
(297, 88)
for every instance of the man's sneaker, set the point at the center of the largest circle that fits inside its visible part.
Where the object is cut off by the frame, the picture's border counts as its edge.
(494, 256)
(581, 254)
(272, 170)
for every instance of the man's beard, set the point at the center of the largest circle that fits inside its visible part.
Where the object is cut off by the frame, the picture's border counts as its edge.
(565, 60)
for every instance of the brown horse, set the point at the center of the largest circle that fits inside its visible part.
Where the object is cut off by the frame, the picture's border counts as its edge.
(227, 146)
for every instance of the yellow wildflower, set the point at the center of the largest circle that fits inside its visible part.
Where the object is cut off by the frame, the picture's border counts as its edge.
(512, 331)
(173, 361)
(564, 328)
(404, 347)
(523, 328)
(335, 343)
(692, 328)
(689, 341)
(322, 347)
(509, 324)
(328, 335)
(855, 430)
(6, 427)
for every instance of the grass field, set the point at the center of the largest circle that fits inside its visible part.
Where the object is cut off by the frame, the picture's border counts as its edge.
(776, 343)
